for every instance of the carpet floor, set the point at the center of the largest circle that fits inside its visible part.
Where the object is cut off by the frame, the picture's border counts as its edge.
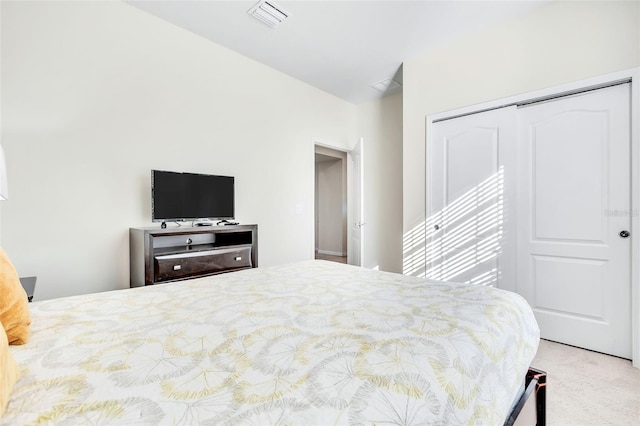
(588, 388)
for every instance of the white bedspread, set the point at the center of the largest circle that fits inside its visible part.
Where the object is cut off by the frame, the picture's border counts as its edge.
(308, 343)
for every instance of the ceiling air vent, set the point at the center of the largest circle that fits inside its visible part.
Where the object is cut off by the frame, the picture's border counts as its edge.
(268, 13)
(387, 85)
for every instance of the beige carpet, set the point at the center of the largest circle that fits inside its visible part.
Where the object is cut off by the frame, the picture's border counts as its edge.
(588, 388)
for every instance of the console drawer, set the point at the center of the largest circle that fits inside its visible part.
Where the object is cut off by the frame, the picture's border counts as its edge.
(181, 265)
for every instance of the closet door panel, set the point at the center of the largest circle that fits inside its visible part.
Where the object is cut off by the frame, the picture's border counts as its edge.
(471, 175)
(574, 199)
(463, 175)
(570, 170)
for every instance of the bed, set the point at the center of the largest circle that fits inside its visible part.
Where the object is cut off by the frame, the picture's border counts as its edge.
(312, 342)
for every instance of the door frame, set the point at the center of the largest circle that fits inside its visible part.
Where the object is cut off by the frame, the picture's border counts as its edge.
(630, 75)
(347, 150)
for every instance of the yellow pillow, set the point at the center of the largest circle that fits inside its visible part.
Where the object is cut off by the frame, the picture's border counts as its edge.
(14, 306)
(9, 371)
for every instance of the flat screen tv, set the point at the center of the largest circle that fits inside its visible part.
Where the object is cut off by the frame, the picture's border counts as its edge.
(177, 196)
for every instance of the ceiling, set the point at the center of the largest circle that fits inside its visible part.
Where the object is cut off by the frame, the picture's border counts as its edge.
(341, 47)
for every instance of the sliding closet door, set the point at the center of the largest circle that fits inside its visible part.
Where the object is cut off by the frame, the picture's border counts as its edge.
(471, 183)
(574, 218)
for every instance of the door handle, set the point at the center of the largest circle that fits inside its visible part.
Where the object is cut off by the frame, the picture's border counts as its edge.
(624, 234)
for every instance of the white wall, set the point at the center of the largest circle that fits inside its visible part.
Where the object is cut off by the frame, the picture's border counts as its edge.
(96, 94)
(558, 43)
(380, 125)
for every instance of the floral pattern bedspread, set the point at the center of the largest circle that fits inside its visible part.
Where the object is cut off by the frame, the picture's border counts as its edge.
(307, 343)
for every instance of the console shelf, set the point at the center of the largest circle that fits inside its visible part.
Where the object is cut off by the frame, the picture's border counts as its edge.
(163, 255)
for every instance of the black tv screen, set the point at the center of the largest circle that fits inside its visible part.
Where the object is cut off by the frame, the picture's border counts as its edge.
(177, 196)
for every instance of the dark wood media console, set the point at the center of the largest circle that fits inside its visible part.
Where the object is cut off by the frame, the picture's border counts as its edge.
(162, 255)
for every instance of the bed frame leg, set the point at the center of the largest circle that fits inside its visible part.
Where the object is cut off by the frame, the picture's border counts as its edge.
(541, 394)
(535, 385)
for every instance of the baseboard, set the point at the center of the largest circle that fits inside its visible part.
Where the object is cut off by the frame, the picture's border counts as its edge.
(331, 253)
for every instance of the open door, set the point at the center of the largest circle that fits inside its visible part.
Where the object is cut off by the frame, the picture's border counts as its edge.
(355, 252)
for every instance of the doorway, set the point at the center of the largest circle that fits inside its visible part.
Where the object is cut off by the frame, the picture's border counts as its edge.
(330, 204)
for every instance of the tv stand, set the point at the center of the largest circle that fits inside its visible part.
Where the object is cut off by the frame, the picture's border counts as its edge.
(159, 255)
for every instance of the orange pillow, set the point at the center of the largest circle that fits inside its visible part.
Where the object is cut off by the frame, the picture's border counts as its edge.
(9, 371)
(14, 306)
